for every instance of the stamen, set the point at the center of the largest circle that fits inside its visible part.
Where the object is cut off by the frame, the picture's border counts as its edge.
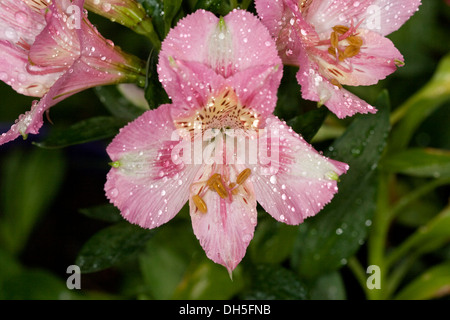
(211, 181)
(334, 39)
(243, 176)
(355, 41)
(351, 51)
(200, 203)
(336, 83)
(233, 188)
(220, 189)
(341, 29)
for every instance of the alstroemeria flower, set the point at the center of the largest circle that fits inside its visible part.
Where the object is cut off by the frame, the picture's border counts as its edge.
(336, 43)
(218, 145)
(51, 50)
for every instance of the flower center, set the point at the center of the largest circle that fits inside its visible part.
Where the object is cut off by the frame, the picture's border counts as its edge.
(223, 111)
(344, 43)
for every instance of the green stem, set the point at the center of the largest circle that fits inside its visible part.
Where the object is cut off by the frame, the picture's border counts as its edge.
(378, 234)
(359, 273)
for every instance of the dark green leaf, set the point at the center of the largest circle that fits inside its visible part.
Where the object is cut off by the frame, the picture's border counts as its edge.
(272, 282)
(116, 103)
(93, 129)
(155, 10)
(107, 212)
(329, 286)
(36, 285)
(171, 8)
(154, 92)
(308, 124)
(217, 6)
(30, 181)
(111, 246)
(326, 241)
(419, 163)
(208, 280)
(273, 241)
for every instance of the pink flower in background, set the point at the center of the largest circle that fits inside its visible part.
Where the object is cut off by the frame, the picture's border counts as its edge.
(51, 50)
(336, 43)
(218, 145)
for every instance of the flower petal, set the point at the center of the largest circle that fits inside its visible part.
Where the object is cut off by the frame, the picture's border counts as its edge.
(227, 228)
(298, 182)
(317, 88)
(145, 184)
(13, 71)
(257, 87)
(382, 16)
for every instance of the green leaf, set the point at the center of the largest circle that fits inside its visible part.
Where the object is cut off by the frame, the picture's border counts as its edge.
(171, 8)
(118, 104)
(207, 280)
(429, 237)
(154, 92)
(216, 6)
(308, 124)
(326, 241)
(36, 285)
(89, 130)
(167, 257)
(272, 282)
(328, 287)
(30, 181)
(420, 105)
(419, 163)
(111, 246)
(107, 212)
(434, 283)
(273, 241)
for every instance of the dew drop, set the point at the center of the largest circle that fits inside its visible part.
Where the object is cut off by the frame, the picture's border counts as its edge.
(21, 17)
(273, 179)
(114, 193)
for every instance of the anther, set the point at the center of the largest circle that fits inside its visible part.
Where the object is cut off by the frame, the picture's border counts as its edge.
(220, 189)
(243, 176)
(211, 181)
(341, 29)
(351, 51)
(232, 186)
(334, 39)
(200, 203)
(355, 41)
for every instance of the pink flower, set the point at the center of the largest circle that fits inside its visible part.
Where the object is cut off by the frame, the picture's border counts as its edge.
(218, 145)
(336, 43)
(54, 52)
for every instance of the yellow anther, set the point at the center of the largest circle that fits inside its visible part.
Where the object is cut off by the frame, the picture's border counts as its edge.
(351, 51)
(200, 203)
(335, 83)
(340, 29)
(332, 51)
(334, 39)
(355, 41)
(243, 176)
(232, 187)
(220, 189)
(211, 181)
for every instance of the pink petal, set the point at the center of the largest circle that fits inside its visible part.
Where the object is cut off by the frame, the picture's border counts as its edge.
(19, 23)
(297, 183)
(382, 16)
(57, 46)
(147, 186)
(189, 84)
(257, 87)
(13, 71)
(378, 59)
(317, 88)
(233, 44)
(227, 228)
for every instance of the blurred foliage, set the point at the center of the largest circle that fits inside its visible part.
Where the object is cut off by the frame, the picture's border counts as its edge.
(392, 209)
